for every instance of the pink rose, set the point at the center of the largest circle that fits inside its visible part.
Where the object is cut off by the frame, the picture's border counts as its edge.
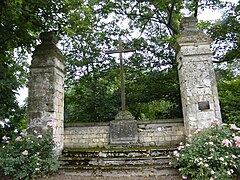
(237, 140)
(227, 143)
(19, 138)
(176, 154)
(234, 127)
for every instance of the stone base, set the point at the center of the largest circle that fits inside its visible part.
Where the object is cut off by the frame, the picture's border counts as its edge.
(123, 130)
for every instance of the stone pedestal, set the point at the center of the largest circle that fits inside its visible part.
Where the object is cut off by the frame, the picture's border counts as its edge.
(198, 86)
(123, 130)
(46, 89)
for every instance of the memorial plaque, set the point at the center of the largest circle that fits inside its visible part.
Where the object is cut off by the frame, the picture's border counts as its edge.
(123, 132)
(203, 105)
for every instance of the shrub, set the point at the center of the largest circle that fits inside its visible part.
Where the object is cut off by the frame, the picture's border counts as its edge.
(212, 153)
(27, 155)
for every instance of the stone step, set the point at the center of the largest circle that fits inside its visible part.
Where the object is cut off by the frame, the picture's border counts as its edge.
(121, 171)
(114, 161)
(118, 152)
(139, 161)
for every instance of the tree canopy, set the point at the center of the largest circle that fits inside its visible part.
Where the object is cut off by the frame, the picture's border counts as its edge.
(89, 27)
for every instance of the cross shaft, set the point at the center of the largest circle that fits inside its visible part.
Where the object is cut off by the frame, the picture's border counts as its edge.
(121, 50)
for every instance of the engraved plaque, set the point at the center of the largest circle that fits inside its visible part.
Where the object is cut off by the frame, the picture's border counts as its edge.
(123, 132)
(203, 105)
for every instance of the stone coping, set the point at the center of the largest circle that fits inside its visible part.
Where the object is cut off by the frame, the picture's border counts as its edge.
(91, 124)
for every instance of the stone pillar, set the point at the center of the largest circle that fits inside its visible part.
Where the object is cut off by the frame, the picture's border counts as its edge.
(198, 86)
(46, 89)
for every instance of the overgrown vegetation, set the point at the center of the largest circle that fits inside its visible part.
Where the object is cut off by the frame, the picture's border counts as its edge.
(212, 153)
(27, 155)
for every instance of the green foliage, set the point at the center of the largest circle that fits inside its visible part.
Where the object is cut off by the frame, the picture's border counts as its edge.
(27, 155)
(226, 34)
(230, 100)
(154, 95)
(212, 153)
(91, 102)
(228, 88)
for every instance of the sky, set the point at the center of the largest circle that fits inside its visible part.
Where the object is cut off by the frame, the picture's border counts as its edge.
(207, 14)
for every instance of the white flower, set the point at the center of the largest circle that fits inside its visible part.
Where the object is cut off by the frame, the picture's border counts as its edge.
(180, 147)
(210, 157)
(5, 138)
(197, 131)
(221, 159)
(39, 136)
(212, 172)
(15, 131)
(211, 149)
(210, 143)
(229, 173)
(25, 153)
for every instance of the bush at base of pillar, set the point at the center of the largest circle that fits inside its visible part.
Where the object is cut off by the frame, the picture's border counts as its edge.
(212, 153)
(27, 155)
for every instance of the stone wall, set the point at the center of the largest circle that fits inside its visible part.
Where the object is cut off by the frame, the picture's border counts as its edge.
(150, 133)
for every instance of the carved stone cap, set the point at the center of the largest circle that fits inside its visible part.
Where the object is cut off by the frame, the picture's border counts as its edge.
(48, 38)
(124, 115)
(190, 34)
(189, 24)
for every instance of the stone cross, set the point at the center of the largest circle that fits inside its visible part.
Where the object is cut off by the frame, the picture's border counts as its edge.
(121, 50)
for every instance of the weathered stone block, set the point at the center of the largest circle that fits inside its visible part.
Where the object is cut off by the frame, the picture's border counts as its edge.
(123, 132)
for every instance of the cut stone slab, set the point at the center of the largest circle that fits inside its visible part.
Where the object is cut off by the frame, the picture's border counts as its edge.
(123, 130)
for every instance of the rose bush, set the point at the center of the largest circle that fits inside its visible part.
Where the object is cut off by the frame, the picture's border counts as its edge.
(27, 155)
(212, 153)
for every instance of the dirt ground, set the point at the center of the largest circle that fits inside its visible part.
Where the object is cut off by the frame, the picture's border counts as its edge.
(71, 176)
(64, 176)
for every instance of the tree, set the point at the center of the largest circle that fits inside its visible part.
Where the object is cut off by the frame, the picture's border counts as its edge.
(21, 23)
(228, 87)
(157, 27)
(86, 29)
(226, 34)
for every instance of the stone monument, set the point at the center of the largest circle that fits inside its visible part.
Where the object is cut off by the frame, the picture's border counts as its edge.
(198, 85)
(123, 130)
(46, 89)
